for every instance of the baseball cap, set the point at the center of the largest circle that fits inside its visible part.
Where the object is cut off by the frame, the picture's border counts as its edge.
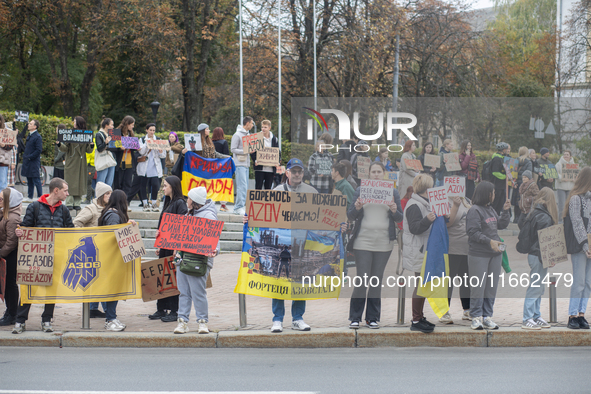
(294, 163)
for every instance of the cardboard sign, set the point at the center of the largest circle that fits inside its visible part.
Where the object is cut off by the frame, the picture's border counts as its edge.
(35, 257)
(130, 242)
(570, 172)
(548, 171)
(158, 144)
(413, 164)
(253, 142)
(115, 135)
(432, 160)
(391, 176)
(193, 142)
(455, 186)
(552, 245)
(21, 116)
(130, 143)
(453, 162)
(267, 208)
(268, 157)
(438, 200)
(376, 191)
(281, 170)
(8, 137)
(324, 166)
(189, 234)
(159, 279)
(363, 164)
(74, 136)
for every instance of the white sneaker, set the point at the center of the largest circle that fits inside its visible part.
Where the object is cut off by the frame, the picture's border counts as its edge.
(46, 327)
(488, 324)
(530, 324)
(542, 323)
(240, 212)
(277, 326)
(113, 326)
(203, 327)
(300, 325)
(466, 315)
(446, 319)
(27, 200)
(182, 327)
(476, 323)
(19, 328)
(147, 207)
(119, 323)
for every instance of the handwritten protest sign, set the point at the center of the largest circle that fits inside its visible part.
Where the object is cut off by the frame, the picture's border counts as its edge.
(268, 157)
(115, 135)
(158, 144)
(35, 257)
(323, 165)
(130, 242)
(552, 245)
(455, 186)
(438, 200)
(130, 143)
(253, 142)
(193, 142)
(570, 172)
(376, 191)
(8, 137)
(363, 164)
(21, 116)
(548, 171)
(391, 176)
(413, 164)
(265, 208)
(188, 233)
(159, 279)
(432, 160)
(74, 136)
(511, 166)
(453, 162)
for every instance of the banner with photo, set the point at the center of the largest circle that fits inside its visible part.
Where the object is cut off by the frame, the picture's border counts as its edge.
(213, 174)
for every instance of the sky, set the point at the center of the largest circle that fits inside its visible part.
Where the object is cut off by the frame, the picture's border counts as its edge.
(483, 4)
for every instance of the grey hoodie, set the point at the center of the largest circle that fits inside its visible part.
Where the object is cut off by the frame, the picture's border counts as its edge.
(208, 211)
(240, 159)
(482, 224)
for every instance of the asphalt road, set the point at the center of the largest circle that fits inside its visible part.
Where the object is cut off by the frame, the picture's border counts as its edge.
(383, 370)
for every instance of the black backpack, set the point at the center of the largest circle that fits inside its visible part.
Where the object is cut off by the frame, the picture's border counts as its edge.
(524, 243)
(487, 171)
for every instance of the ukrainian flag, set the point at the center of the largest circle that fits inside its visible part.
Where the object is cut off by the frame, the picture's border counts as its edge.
(436, 266)
(319, 243)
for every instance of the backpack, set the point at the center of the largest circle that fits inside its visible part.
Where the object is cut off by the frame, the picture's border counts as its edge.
(487, 171)
(524, 243)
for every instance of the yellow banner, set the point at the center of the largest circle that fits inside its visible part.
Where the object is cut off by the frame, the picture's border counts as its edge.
(219, 189)
(88, 267)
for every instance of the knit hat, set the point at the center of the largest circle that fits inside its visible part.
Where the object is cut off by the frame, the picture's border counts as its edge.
(527, 174)
(543, 151)
(202, 127)
(16, 198)
(198, 195)
(102, 188)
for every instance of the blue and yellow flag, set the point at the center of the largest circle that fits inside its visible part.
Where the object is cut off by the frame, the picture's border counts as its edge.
(87, 267)
(436, 268)
(319, 243)
(213, 174)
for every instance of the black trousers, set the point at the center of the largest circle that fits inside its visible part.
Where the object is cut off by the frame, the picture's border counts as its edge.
(500, 199)
(469, 189)
(261, 179)
(281, 265)
(169, 303)
(458, 266)
(58, 173)
(123, 179)
(11, 290)
(135, 188)
(149, 186)
(22, 313)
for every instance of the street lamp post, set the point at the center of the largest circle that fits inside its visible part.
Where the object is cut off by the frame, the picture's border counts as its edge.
(155, 105)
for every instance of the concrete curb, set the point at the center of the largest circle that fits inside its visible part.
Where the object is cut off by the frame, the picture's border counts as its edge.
(316, 338)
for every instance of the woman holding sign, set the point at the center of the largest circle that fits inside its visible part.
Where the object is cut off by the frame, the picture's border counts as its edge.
(149, 169)
(104, 161)
(11, 203)
(427, 150)
(372, 242)
(407, 175)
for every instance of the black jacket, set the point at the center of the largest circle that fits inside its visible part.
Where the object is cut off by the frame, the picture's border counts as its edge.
(39, 215)
(177, 207)
(274, 144)
(221, 146)
(111, 218)
(346, 151)
(101, 145)
(498, 165)
(540, 219)
(32, 156)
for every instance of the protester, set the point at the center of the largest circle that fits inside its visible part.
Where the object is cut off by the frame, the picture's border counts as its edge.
(11, 203)
(174, 203)
(5, 159)
(469, 165)
(485, 251)
(578, 207)
(349, 176)
(193, 288)
(372, 243)
(48, 212)
(347, 149)
(126, 159)
(427, 150)
(403, 201)
(543, 165)
(176, 149)
(534, 162)
(563, 187)
(12, 168)
(59, 159)
(543, 216)
(221, 146)
(115, 212)
(383, 158)
(499, 176)
(418, 220)
(91, 178)
(524, 164)
(104, 161)
(242, 163)
(263, 175)
(406, 175)
(31, 167)
(527, 194)
(149, 170)
(321, 182)
(442, 172)
(338, 172)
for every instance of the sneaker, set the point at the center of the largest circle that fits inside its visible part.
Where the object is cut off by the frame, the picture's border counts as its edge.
(422, 326)
(156, 206)
(372, 324)
(46, 326)
(583, 323)
(476, 323)
(157, 315)
(239, 212)
(147, 208)
(427, 322)
(128, 209)
(224, 208)
(182, 327)
(113, 326)
(354, 325)
(488, 324)
(203, 327)
(27, 200)
(299, 325)
(19, 328)
(542, 323)
(7, 320)
(446, 319)
(530, 324)
(172, 316)
(466, 315)
(573, 323)
(95, 313)
(120, 324)
(277, 326)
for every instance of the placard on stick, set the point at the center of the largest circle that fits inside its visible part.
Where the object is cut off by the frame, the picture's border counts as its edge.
(432, 160)
(268, 157)
(413, 164)
(21, 116)
(570, 172)
(130, 242)
(552, 245)
(455, 186)
(363, 164)
(453, 161)
(193, 142)
(75, 136)
(8, 137)
(158, 144)
(438, 200)
(189, 234)
(159, 279)
(376, 191)
(253, 142)
(35, 257)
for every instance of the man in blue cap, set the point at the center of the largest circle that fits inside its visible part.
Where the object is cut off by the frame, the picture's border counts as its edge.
(294, 171)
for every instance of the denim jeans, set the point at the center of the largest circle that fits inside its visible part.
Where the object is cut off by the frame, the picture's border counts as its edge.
(533, 295)
(33, 183)
(111, 310)
(106, 176)
(94, 306)
(579, 291)
(241, 187)
(3, 177)
(438, 182)
(297, 310)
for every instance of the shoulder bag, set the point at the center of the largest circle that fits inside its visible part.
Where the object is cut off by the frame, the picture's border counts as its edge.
(192, 264)
(104, 159)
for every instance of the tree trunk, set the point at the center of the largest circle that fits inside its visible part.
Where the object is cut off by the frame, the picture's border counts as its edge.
(190, 93)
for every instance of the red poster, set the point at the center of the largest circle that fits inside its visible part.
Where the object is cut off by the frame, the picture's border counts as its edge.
(189, 234)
